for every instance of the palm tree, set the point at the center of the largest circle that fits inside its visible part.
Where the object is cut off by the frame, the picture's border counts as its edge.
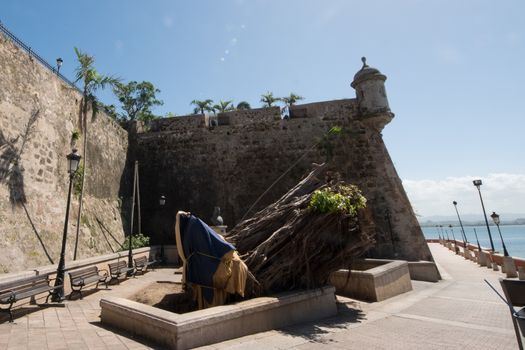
(202, 106)
(91, 81)
(268, 99)
(243, 105)
(223, 106)
(291, 99)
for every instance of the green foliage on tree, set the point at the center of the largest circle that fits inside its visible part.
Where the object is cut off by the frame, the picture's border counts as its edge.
(346, 199)
(110, 110)
(137, 241)
(223, 106)
(243, 105)
(137, 100)
(291, 99)
(202, 105)
(326, 142)
(92, 81)
(268, 99)
(78, 179)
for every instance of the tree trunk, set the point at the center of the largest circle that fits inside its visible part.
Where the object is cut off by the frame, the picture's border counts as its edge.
(289, 246)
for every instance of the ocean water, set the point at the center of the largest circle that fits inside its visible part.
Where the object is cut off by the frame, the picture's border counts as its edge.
(513, 235)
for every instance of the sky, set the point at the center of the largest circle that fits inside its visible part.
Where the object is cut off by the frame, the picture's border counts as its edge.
(455, 71)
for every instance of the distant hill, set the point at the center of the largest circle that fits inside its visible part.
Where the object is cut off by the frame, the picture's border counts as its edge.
(471, 219)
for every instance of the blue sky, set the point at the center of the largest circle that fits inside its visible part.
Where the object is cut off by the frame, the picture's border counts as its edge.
(455, 71)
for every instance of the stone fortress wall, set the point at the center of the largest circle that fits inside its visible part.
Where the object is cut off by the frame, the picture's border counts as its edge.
(33, 165)
(198, 167)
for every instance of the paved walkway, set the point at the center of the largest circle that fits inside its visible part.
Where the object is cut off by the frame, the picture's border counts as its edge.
(460, 312)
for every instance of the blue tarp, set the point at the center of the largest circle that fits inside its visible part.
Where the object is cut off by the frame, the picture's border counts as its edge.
(203, 249)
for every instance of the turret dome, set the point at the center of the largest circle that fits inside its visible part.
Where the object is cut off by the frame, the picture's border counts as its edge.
(365, 73)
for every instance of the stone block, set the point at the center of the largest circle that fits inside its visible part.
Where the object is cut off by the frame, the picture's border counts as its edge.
(424, 271)
(379, 280)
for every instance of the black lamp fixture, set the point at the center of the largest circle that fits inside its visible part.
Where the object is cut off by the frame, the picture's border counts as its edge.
(478, 183)
(59, 64)
(495, 218)
(72, 165)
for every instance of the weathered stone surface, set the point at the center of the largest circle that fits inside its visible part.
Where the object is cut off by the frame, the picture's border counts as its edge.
(231, 165)
(41, 172)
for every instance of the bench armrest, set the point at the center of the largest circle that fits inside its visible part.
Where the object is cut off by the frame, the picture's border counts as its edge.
(9, 293)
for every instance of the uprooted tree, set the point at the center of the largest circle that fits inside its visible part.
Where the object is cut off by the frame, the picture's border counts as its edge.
(319, 226)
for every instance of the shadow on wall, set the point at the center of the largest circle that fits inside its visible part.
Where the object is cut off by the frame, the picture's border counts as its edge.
(12, 171)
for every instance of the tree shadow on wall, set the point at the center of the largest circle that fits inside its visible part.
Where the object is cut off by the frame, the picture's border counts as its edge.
(12, 171)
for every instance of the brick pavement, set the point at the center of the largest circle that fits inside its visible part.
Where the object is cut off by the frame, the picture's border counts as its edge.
(77, 324)
(457, 313)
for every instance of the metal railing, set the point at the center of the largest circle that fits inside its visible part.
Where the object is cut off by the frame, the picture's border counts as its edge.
(33, 54)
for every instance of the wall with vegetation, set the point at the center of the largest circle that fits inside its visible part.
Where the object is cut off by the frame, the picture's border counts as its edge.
(38, 114)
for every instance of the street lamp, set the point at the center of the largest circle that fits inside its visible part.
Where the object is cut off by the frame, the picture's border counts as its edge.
(59, 64)
(162, 202)
(465, 240)
(495, 218)
(454, 238)
(73, 159)
(478, 183)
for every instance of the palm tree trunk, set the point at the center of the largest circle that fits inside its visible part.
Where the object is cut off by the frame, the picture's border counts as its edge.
(84, 151)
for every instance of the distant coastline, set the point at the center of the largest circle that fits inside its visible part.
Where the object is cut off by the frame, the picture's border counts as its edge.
(431, 223)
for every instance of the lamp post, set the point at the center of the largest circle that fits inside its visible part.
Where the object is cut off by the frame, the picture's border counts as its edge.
(162, 202)
(495, 218)
(465, 240)
(454, 238)
(59, 64)
(482, 259)
(478, 183)
(73, 159)
(477, 240)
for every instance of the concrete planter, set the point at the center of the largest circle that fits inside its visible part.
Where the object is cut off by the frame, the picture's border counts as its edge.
(216, 324)
(373, 280)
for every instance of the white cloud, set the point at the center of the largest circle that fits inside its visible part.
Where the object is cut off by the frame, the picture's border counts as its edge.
(233, 41)
(503, 193)
(222, 59)
(226, 52)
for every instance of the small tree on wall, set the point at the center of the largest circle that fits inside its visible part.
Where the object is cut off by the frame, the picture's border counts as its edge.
(291, 99)
(223, 106)
(268, 99)
(243, 105)
(137, 100)
(92, 81)
(202, 105)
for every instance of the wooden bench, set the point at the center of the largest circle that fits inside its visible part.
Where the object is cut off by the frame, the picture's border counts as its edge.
(83, 277)
(13, 291)
(142, 264)
(118, 269)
